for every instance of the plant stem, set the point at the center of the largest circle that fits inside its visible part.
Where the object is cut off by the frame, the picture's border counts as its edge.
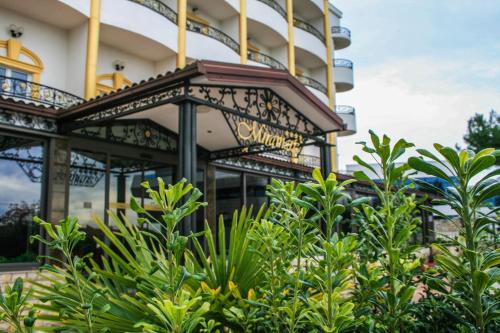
(297, 279)
(74, 272)
(469, 220)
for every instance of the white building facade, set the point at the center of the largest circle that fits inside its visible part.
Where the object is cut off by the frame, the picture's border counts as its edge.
(99, 95)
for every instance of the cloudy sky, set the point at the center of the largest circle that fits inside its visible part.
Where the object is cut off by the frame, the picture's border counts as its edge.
(422, 68)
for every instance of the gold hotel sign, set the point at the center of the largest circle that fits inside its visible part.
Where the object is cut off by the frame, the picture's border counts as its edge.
(257, 133)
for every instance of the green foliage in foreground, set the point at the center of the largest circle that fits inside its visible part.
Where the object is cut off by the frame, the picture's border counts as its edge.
(285, 268)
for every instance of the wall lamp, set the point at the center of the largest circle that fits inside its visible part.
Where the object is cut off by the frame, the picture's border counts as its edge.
(119, 65)
(15, 31)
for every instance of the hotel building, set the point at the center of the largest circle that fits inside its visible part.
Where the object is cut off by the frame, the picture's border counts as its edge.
(97, 96)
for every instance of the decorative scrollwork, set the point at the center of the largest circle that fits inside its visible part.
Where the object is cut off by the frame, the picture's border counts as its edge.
(342, 63)
(213, 33)
(149, 101)
(341, 31)
(85, 171)
(138, 132)
(276, 6)
(26, 153)
(29, 121)
(309, 28)
(261, 167)
(259, 104)
(265, 59)
(310, 82)
(143, 133)
(160, 8)
(252, 165)
(38, 94)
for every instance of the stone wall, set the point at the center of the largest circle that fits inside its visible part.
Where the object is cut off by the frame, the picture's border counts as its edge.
(8, 278)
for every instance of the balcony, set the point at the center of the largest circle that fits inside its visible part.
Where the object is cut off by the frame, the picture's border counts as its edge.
(315, 84)
(348, 116)
(213, 33)
(159, 7)
(341, 37)
(38, 94)
(303, 25)
(343, 75)
(276, 6)
(265, 60)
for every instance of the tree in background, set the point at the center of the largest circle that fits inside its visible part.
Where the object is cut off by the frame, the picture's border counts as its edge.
(483, 132)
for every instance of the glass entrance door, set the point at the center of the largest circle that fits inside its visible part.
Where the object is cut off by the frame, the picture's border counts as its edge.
(126, 176)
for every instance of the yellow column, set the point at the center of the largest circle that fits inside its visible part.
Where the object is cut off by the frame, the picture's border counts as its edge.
(332, 138)
(243, 32)
(92, 49)
(291, 41)
(181, 23)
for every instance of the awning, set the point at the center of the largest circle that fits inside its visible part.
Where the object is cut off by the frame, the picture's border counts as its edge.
(240, 108)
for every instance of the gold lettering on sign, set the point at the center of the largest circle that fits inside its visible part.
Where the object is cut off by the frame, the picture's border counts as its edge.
(290, 141)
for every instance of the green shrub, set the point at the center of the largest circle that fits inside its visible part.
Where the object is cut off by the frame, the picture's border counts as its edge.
(282, 268)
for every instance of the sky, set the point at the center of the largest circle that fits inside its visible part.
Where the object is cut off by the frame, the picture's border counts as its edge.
(422, 68)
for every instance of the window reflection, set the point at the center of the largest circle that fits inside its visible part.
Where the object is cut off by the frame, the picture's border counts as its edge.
(86, 195)
(228, 193)
(256, 191)
(21, 166)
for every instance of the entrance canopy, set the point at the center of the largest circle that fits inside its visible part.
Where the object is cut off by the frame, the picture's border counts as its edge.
(239, 109)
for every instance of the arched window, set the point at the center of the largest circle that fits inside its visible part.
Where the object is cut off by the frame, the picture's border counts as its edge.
(107, 83)
(18, 65)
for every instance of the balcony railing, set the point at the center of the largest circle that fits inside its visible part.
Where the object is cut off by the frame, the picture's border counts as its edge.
(213, 33)
(159, 7)
(310, 82)
(309, 28)
(265, 59)
(345, 109)
(276, 6)
(311, 161)
(341, 31)
(342, 63)
(38, 94)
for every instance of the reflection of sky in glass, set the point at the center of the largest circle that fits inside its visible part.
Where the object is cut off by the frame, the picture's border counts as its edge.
(15, 186)
(81, 195)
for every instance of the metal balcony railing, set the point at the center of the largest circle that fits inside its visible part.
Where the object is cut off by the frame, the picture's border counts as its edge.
(276, 6)
(265, 59)
(36, 93)
(342, 31)
(310, 82)
(213, 33)
(309, 28)
(345, 109)
(159, 7)
(311, 161)
(342, 63)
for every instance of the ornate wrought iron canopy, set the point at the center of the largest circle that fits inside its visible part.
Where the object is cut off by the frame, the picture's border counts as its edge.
(137, 132)
(264, 109)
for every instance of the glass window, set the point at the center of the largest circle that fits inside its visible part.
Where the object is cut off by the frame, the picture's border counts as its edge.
(200, 213)
(19, 82)
(21, 166)
(228, 193)
(86, 195)
(3, 73)
(126, 178)
(256, 191)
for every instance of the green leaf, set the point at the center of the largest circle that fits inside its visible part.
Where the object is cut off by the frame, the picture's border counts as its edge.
(480, 281)
(425, 167)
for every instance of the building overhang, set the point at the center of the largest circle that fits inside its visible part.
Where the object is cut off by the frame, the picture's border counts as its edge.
(240, 109)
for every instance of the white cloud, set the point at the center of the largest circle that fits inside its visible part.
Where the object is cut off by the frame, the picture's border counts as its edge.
(424, 100)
